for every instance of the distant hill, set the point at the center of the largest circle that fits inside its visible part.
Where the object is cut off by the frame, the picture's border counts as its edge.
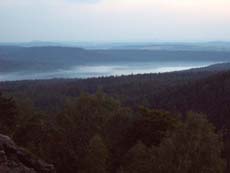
(214, 68)
(172, 46)
(56, 57)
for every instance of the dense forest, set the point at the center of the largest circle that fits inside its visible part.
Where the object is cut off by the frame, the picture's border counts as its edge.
(96, 134)
(165, 123)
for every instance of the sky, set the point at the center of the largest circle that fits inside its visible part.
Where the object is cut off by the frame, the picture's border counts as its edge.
(114, 20)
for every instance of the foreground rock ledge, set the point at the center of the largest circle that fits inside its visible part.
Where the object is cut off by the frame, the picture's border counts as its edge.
(14, 159)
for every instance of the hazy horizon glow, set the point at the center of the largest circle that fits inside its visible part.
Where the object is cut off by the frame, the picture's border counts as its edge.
(114, 20)
(99, 70)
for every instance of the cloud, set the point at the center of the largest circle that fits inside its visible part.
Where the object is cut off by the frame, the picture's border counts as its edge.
(83, 1)
(114, 19)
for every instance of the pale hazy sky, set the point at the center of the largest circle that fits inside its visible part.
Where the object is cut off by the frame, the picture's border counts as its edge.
(114, 20)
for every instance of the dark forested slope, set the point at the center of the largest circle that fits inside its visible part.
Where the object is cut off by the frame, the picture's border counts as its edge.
(210, 96)
(77, 132)
(132, 90)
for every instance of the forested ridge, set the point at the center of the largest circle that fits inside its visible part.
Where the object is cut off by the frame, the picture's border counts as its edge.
(52, 58)
(168, 123)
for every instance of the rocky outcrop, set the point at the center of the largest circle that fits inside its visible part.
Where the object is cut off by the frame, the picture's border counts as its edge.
(14, 159)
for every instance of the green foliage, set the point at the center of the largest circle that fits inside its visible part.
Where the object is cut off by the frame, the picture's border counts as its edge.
(192, 148)
(81, 119)
(8, 115)
(96, 157)
(152, 126)
(95, 134)
(137, 160)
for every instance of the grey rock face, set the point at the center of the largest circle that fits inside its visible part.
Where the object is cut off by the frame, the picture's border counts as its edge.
(14, 159)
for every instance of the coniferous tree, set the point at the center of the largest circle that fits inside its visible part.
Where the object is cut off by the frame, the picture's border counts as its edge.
(8, 115)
